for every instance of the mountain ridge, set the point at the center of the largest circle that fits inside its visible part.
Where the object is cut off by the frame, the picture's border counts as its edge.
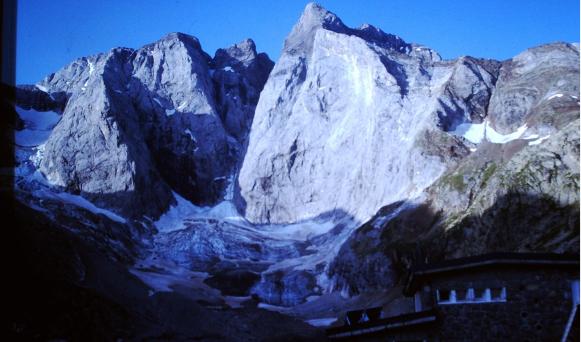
(317, 180)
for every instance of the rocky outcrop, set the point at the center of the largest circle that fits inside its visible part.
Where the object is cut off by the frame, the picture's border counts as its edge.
(531, 82)
(32, 97)
(239, 73)
(337, 105)
(520, 195)
(98, 149)
(140, 123)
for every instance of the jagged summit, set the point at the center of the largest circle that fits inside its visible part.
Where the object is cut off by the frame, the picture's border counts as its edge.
(315, 17)
(181, 37)
(317, 14)
(176, 37)
(243, 52)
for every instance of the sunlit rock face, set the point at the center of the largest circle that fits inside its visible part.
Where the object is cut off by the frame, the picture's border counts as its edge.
(139, 123)
(517, 190)
(343, 118)
(531, 83)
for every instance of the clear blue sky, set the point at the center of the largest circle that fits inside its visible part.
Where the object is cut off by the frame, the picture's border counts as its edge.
(53, 33)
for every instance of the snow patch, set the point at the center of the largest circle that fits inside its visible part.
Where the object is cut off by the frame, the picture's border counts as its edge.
(322, 322)
(555, 96)
(91, 67)
(41, 88)
(80, 201)
(162, 276)
(539, 140)
(498, 138)
(381, 221)
(170, 112)
(174, 218)
(275, 308)
(476, 133)
(157, 101)
(182, 106)
(471, 132)
(228, 68)
(188, 132)
(236, 302)
(300, 231)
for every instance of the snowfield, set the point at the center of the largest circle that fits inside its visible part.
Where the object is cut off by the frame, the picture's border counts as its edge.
(38, 126)
(477, 133)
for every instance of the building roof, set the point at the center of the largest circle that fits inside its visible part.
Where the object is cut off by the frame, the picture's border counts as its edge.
(405, 321)
(419, 272)
(358, 316)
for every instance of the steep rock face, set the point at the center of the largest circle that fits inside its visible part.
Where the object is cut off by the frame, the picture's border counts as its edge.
(139, 123)
(239, 73)
(97, 148)
(518, 195)
(528, 82)
(175, 95)
(337, 104)
(32, 97)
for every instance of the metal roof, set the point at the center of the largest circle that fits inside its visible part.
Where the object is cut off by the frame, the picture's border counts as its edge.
(489, 260)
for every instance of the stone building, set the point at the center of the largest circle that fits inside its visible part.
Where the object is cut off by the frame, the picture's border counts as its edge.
(492, 297)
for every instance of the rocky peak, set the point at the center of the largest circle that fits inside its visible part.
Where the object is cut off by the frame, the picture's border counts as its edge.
(243, 53)
(182, 38)
(154, 115)
(364, 93)
(314, 17)
(315, 14)
(239, 74)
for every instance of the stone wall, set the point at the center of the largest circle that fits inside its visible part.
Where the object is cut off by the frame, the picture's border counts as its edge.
(537, 306)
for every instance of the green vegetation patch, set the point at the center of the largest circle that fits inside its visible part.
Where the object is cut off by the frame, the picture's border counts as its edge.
(490, 169)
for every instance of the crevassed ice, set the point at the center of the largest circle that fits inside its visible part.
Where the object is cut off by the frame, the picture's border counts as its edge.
(38, 126)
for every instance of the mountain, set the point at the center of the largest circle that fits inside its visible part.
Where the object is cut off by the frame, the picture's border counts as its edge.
(340, 102)
(141, 123)
(230, 184)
